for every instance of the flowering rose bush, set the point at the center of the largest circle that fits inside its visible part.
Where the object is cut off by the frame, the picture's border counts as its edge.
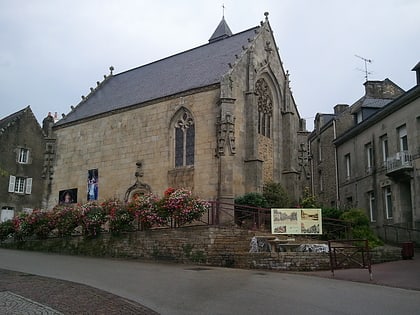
(66, 219)
(38, 223)
(92, 218)
(182, 206)
(21, 227)
(178, 207)
(119, 216)
(147, 210)
(41, 223)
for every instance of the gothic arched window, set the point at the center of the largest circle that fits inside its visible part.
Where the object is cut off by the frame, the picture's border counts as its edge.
(184, 139)
(265, 107)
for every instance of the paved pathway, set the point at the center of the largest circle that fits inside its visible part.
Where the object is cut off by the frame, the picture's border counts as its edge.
(181, 289)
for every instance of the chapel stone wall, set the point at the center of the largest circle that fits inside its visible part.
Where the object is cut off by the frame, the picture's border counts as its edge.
(114, 143)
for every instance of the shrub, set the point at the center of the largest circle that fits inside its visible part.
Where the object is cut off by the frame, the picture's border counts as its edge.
(331, 213)
(67, 219)
(21, 226)
(120, 217)
(275, 195)
(308, 200)
(253, 199)
(92, 218)
(360, 226)
(182, 206)
(147, 211)
(41, 223)
(6, 230)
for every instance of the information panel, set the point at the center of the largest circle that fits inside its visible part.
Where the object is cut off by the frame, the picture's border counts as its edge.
(296, 221)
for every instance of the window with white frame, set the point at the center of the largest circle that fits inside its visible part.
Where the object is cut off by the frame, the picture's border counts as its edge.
(402, 134)
(6, 213)
(347, 165)
(359, 117)
(372, 206)
(384, 145)
(369, 157)
(20, 185)
(388, 202)
(23, 156)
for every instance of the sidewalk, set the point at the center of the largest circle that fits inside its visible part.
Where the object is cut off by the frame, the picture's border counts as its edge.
(403, 274)
(22, 293)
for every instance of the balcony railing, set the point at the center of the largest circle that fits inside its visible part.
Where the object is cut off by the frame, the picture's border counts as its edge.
(401, 161)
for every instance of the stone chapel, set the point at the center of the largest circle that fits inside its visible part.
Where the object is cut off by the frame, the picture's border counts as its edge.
(218, 119)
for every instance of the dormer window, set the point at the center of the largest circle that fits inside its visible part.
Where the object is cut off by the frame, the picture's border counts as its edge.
(359, 117)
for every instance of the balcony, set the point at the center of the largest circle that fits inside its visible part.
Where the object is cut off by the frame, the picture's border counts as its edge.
(400, 165)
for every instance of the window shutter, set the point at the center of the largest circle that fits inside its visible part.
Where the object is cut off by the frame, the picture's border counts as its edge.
(28, 189)
(29, 157)
(12, 180)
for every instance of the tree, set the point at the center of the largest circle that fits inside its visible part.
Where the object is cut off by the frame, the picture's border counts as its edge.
(275, 195)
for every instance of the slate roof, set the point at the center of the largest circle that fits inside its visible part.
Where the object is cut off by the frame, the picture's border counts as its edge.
(222, 31)
(369, 102)
(393, 106)
(11, 119)
(199, 67)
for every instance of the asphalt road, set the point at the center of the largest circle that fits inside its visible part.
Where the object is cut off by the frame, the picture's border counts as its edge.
(184, 289)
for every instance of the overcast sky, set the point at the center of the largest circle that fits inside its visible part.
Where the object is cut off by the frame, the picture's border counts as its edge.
(52, 52)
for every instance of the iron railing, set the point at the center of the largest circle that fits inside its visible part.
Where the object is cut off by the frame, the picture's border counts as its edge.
(401, 160)
(397, 233)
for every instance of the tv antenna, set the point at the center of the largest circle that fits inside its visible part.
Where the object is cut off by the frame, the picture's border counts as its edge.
(366, 61)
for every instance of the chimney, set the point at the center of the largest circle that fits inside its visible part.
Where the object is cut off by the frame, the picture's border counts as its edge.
(373, 89)
(340, 108)
(417, 69)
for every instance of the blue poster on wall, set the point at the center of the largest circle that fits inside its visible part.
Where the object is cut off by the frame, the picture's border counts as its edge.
(92, 185)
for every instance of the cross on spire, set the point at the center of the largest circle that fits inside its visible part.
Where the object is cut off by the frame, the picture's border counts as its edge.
(223, 10)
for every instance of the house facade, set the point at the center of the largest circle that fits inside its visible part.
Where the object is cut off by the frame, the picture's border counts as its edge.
(218, 119)
(379, 163)
(328, 127)
(23, 144)
(369, 153)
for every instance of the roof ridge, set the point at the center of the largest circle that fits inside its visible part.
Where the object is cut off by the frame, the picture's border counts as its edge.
(11, 119)
(185, 51)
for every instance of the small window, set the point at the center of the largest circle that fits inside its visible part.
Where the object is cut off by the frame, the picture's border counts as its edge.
(384, 144)
(388, 202)
(369, 157)
(402, 133)
(348, 166)
(321, 181)
(372, 206)
(359, 117)
(23, 157)
(6, 213)
(20, 185)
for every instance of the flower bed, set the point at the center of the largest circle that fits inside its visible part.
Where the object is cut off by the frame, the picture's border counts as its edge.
(177, 207)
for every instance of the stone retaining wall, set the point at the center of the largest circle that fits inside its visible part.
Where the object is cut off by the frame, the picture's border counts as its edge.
(204, 245)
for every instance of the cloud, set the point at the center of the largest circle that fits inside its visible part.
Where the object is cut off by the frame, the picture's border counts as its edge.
(53, 51)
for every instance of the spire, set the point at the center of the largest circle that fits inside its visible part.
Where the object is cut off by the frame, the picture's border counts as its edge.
(222, 31)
